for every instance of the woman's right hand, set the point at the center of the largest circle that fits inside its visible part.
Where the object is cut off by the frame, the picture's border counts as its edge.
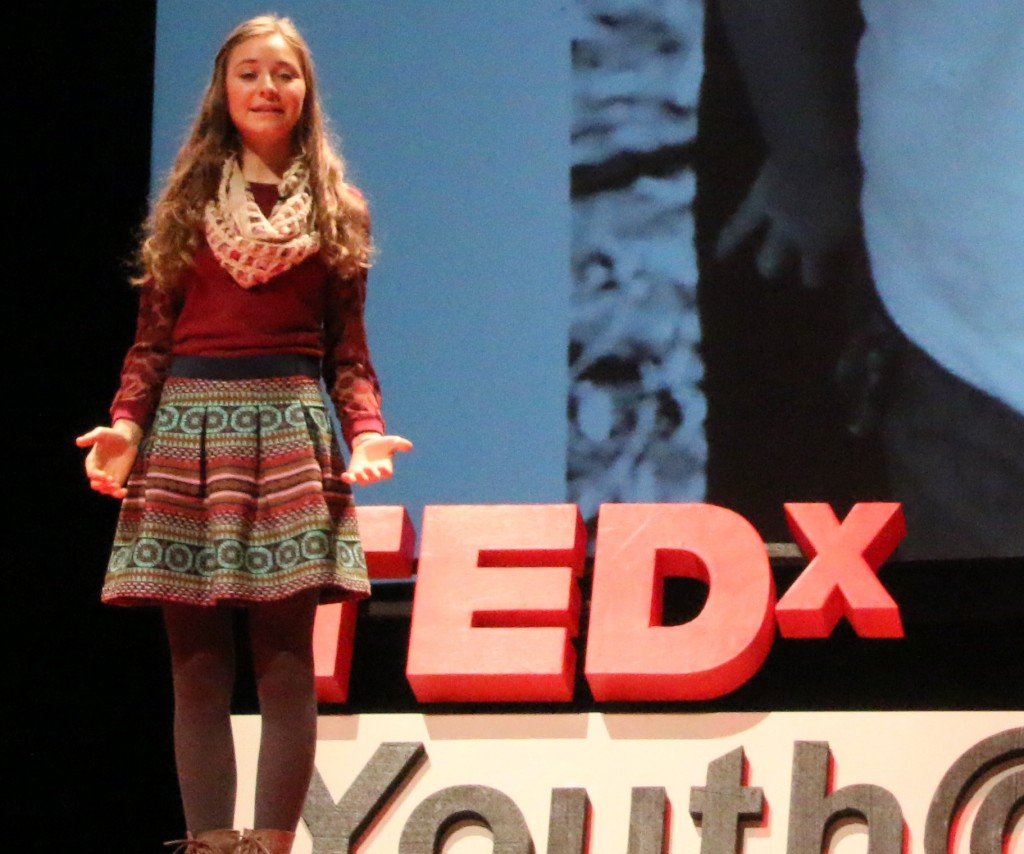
(111, 456)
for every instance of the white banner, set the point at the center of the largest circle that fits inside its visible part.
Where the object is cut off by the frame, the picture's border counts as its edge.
(651, 779)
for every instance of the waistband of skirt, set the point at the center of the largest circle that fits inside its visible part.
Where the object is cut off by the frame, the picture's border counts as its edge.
(259, 366)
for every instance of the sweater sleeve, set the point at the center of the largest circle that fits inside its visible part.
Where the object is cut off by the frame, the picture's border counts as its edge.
(348, 372)
(149, 357)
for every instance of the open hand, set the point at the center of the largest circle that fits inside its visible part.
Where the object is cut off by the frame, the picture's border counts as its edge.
(372, 458)
(807, 216)
(111, 456)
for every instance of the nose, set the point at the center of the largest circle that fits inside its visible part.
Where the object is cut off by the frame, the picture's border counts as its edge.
(268, 86)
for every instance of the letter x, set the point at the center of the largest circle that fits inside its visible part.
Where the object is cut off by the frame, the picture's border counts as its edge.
(841, 577)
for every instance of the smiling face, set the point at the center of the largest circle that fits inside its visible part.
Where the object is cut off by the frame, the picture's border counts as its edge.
(265, 92)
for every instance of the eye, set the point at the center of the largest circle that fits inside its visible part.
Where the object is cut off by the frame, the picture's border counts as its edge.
(247, 75)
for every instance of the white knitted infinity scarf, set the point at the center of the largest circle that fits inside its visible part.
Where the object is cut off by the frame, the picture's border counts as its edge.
(254, 248)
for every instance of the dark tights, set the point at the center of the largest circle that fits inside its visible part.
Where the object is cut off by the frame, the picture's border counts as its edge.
(203, 667)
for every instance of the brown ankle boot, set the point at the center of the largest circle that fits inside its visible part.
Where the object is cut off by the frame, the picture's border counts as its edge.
(265, 842)
(207, 842)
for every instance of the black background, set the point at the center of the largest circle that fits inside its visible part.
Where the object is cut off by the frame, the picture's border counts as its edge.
(90, 712)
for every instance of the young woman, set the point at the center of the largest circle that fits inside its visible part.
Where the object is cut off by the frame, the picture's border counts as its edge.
(253, 279)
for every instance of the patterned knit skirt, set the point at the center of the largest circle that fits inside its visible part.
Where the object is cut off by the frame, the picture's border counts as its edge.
(236, 497)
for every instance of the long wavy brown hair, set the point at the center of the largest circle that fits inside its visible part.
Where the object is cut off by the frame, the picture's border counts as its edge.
(174, 230)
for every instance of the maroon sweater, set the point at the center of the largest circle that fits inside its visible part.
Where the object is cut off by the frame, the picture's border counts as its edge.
(308, 309)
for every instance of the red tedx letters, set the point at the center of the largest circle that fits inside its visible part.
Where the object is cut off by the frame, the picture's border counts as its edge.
(497, 602)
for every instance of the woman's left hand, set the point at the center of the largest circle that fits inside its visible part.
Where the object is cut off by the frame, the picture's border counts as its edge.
(372, 458)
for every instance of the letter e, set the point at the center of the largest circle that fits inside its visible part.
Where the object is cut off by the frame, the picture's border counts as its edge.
(496, 603)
